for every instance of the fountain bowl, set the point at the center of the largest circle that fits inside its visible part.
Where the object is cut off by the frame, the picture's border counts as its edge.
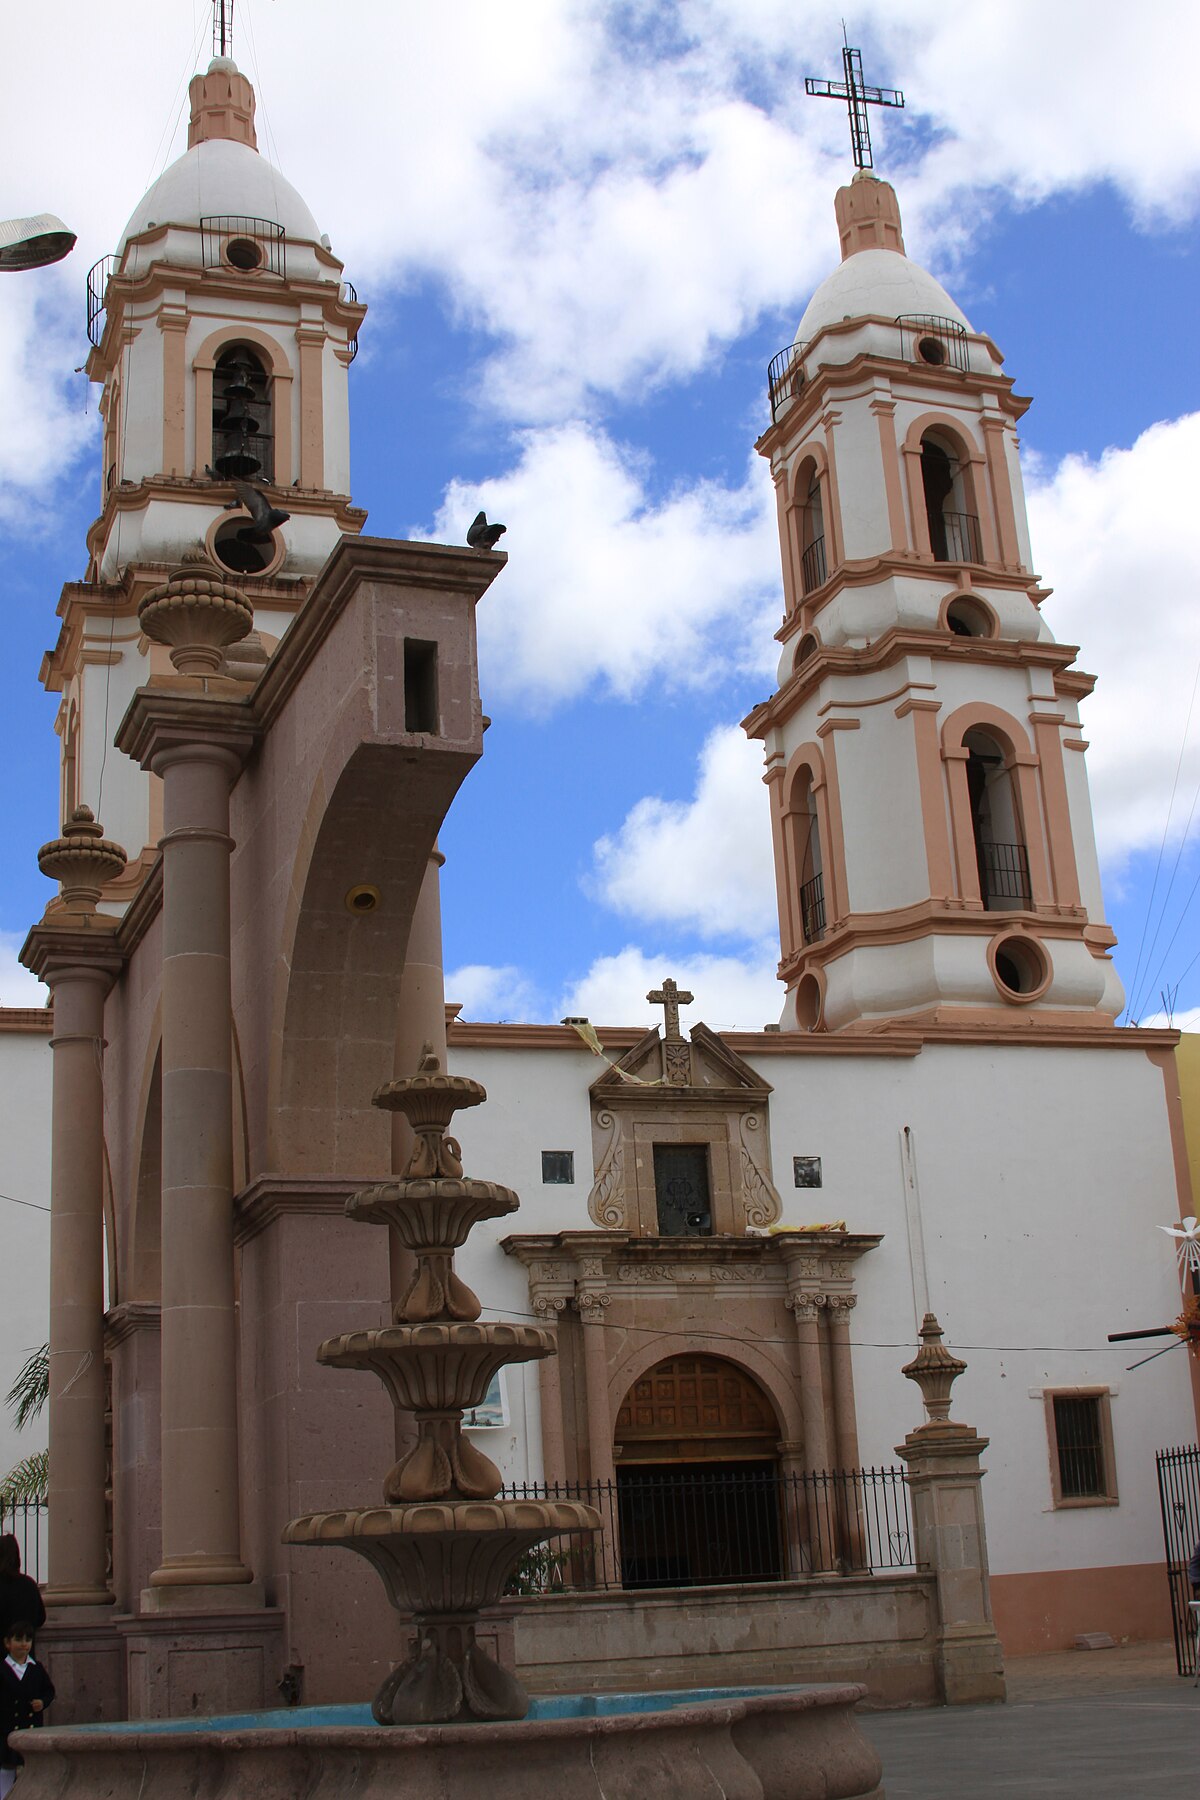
(786, 1743)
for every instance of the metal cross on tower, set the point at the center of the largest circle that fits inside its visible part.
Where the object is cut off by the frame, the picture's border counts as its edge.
(677, 1056)
(858, 96)
(223, 28)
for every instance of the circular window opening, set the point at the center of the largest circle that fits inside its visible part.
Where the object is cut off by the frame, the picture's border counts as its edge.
(806, 648)
(363, 899)
(967, 618)
(237, 553)
(808, 1003)
(1022, 967)
(931, 350)
(243, 253)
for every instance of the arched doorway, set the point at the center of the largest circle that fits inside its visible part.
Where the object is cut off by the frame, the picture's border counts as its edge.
(697, 1452)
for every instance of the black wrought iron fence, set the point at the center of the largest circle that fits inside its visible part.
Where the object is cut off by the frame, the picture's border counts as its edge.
(812, 909)
(1179, 1498)
(236, 241)
(812, 565)
(97, 288)
(1004, 873)
(662, 1530)
(785, 376)
(26, 1520)
(935, 340)
(955, 537)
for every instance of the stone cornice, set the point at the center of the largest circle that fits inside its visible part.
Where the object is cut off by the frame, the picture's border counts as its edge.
(73, 940)
(618, 1259)
(135, 496)
(17, 1019)
(896, 644)
(121, 1322)
(165, 716)
(482, 1034)
(272, 1197)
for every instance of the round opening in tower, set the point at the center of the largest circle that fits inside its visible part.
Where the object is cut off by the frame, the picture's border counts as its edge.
(967, 617)
(244, 254)
(810, 1001)
(931, 350)
(238, 553)
(363, 899)
(1020, 967)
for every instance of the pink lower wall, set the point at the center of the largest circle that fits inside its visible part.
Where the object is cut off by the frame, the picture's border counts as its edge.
(1049, 1609)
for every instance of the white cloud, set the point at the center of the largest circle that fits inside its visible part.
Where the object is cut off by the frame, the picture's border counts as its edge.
(1183, 1021)
(732, 993)
(1116, 538)
(485, 991)
(612, 192)
(704, 862)
(17, 986)
(607, 587)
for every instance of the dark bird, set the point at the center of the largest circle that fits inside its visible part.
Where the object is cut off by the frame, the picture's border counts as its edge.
(483, 536)
(264, 517)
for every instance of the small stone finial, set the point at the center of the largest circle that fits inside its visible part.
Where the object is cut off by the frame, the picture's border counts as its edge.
(197, 613)
(82, 859)
(222, 105)
(431, 1062)
(935, 1371)
(868, 215)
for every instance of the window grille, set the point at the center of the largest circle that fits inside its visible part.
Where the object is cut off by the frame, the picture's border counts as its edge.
(558, 1167)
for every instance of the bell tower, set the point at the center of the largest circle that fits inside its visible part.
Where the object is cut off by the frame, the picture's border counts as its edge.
(222, 333)
(934, 849)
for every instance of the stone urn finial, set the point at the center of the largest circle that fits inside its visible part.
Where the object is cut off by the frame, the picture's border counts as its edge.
(196, 613)
(935, 1371)
(82, 859)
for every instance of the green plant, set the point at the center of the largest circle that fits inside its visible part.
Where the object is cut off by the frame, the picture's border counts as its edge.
(25, 1399)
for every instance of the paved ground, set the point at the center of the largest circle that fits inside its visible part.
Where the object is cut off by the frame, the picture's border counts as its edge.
(1106, 1724)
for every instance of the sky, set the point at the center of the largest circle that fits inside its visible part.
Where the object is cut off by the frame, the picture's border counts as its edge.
(582, 230)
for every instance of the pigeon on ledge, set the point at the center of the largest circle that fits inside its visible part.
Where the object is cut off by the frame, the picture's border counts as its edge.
(483, 536)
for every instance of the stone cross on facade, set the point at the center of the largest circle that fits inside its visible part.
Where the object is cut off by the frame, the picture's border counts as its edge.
(677, 1055)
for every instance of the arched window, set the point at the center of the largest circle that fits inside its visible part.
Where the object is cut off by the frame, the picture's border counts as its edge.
(953, 522)
(1000, 851)
(807, 858)
(243, 439)
(813, 562)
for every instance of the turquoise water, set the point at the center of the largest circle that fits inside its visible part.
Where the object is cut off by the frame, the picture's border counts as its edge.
(549, 1706)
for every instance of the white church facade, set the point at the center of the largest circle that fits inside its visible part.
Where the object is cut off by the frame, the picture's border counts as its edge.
(737, 1236)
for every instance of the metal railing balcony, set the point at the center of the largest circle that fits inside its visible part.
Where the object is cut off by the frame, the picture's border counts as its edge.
(812, 566)
(1004, 874)
(812, 909)
(954, 537)
(785, 377)
(708, 1527)
(350, 292)
(97, 286)
(940, 342)
(236, 241)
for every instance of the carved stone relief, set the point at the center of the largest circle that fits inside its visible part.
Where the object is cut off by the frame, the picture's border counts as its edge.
(606, 1202)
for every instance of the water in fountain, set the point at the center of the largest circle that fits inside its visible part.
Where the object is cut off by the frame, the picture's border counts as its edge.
(443, 1544)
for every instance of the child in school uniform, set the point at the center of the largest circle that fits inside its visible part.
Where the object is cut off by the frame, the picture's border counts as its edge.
(25, 1692)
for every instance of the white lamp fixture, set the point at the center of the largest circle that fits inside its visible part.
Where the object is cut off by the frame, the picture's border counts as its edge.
(32, 243)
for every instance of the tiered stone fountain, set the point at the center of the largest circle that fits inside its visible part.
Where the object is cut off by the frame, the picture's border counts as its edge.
(443, 1544)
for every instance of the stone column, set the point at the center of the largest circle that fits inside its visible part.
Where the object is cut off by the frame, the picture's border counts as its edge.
(201, 1534)
(591, 1302)
(75, 951)
(554, 1463)
(845, 1421)
(822, 1546)
(421, 1021)
(950, 1539)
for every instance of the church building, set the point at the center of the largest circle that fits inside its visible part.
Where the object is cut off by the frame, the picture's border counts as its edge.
(737, 1236)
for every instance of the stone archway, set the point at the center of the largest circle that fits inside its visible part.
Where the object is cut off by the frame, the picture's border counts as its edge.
(698, 1496)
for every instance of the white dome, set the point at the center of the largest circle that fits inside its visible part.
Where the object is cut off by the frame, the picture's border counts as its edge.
(881, 282)
(221, 176)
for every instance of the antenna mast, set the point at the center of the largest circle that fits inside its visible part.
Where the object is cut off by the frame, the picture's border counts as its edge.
(223, 28)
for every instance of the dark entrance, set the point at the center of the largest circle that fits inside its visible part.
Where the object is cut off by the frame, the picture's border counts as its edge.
(681, 1190)
(698, 1496)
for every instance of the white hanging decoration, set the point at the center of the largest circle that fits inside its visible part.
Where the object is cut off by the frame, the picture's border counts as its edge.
(1187, 1232)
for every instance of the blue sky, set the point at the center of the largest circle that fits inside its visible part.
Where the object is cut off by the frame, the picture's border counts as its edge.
(582, 235)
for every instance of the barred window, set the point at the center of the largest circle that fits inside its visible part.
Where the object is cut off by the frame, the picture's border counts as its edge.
(558, 1166)
(1081, 1449)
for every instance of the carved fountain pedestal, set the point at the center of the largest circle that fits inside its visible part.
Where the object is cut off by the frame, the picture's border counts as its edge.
(442, 1542)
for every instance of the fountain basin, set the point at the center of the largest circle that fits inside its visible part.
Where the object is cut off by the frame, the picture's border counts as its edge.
(797, 1743)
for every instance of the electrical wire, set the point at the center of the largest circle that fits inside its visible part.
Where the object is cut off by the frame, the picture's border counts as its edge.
(175, 112)
(1133, 986)
(34, 1205)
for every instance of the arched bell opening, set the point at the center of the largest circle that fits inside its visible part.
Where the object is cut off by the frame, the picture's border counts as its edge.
(698, 1495)
(950, 510)
(808, 857)
(242, 424)
(1000, 851)
(814, 563)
